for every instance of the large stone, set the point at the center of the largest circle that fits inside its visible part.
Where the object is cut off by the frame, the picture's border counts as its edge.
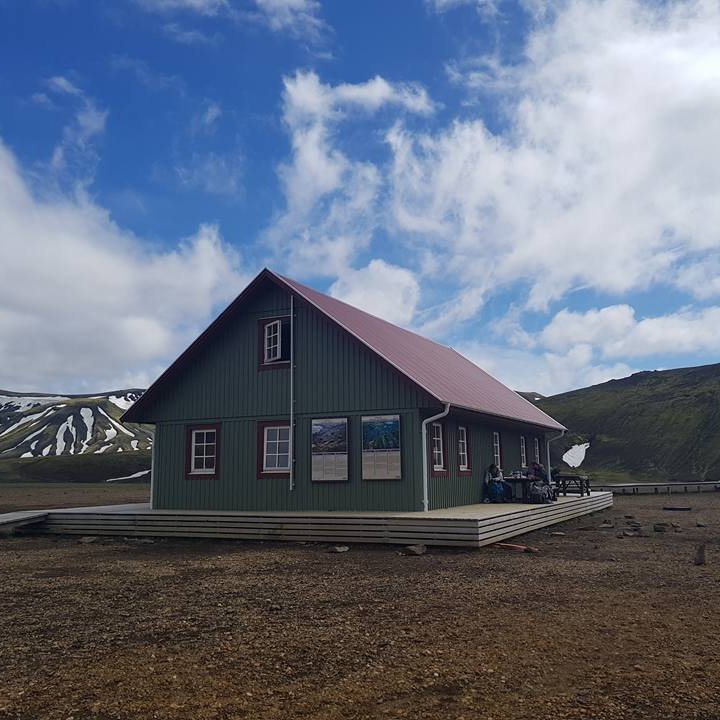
(339, 549)
(414, 550)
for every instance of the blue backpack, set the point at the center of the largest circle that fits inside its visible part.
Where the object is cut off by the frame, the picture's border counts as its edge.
(495, 490)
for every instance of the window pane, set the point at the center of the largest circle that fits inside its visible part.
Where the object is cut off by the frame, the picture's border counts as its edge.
(271, 461)
(282, 461)
(283, 433)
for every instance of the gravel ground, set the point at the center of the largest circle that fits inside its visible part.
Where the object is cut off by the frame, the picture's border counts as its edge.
(597, 624)
(37, 496)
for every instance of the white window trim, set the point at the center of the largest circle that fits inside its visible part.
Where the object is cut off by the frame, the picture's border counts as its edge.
(537, 450)
(203, 471)
(437, 444)
(272, 354)
(523, 452)
(266, 469)
(463, 448)
(272, 329)
(497, 451)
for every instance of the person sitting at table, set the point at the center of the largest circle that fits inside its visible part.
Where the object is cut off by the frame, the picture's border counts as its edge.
(497, 489)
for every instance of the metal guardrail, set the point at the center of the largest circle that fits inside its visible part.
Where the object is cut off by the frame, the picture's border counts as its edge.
(658, 488)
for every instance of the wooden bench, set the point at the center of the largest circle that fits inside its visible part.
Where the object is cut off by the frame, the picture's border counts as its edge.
(566, 481)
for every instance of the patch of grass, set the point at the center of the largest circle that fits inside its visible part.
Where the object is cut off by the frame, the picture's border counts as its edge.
(88, 468)
(652, 426)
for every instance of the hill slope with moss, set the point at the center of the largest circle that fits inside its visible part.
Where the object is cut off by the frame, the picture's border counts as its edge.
(660, 425)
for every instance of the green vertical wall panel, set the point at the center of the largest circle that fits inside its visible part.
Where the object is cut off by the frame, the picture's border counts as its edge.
(238, 486)
(453, 488)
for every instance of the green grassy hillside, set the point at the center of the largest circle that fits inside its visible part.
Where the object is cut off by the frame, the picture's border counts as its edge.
(660, 425)
(75, 468)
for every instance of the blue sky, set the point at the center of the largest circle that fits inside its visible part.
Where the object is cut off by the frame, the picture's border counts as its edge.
(534, 183)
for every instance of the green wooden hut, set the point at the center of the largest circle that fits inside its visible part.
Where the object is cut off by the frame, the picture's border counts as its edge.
(292, 400)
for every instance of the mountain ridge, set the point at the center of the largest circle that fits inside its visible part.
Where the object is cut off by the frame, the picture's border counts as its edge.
(45, 424)
(652, 425)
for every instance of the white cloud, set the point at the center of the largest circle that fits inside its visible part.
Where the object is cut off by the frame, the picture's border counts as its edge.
(331, 199)
(211, 114)
(84, 304)
(543, 372)
(75, 158)
(212, 173)
(61, 84)
(593, 327)
(607, 174)
(147, 76)
(616, 332)
(486, 8)
(385, 290)
(202, 7)
(193, 36)
(299, 18)
(41, 99)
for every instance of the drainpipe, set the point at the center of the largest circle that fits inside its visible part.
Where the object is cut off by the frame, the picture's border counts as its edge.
(426, 500)
(152, 469)
(549, 440)
(291, 434)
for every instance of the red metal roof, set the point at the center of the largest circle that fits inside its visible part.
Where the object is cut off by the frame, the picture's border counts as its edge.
(438, 369)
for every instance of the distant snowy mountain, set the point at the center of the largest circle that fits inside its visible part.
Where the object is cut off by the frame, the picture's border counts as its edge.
(39, 425)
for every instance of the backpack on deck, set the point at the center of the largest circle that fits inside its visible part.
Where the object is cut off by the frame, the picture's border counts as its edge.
(536, 494)
(495, 491)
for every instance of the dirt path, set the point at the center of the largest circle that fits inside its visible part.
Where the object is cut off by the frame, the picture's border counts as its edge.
(37, 496)
(593, 626)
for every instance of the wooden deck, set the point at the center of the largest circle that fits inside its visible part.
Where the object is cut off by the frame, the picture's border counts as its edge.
(464, 526)
(10, 521)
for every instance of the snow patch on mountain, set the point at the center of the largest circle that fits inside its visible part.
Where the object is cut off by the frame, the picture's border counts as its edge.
(129, 477)
(116, 425)
(23, 421)
(124, 402)
(21, 403)
(60, 437)
(89, 420)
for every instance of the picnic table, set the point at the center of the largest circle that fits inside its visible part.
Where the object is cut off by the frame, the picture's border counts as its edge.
(524, 483)
(572, 482)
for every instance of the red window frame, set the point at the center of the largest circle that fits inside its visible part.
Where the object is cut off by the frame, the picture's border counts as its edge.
(195, 475)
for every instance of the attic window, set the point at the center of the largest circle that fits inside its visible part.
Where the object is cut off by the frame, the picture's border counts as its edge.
(274, 342)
